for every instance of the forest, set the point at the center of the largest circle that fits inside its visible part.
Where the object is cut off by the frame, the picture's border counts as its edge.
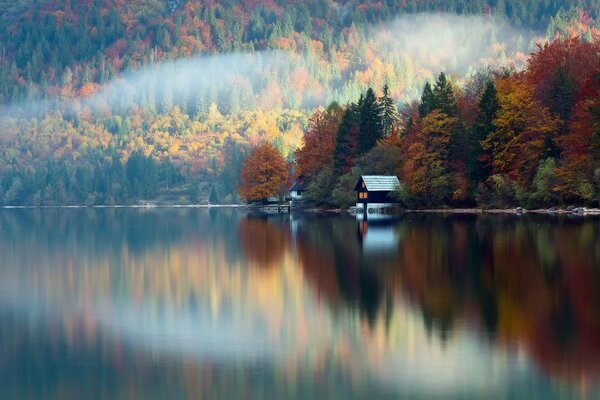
(530, 138)
(186, 88)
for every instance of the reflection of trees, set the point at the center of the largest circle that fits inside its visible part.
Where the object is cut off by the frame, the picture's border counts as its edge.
(264, 242)
(532, 281)
(333, 263)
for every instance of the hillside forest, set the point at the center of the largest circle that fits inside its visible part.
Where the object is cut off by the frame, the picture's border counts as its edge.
(468, 102)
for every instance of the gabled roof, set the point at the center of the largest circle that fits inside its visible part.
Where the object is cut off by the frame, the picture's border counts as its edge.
(379, 183)
(298, 187)
(299, 184)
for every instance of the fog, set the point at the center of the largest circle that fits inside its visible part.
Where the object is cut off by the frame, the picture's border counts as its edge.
(412, 49)
(453, 43)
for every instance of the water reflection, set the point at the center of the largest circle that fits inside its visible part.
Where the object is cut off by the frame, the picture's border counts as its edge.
(182, 303)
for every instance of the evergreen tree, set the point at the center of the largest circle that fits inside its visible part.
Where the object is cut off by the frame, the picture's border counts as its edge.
(370, 125)
(561, 99)
(443, 94)
(478, 170)
(427, 101)
(346, 142)
(562, 95)
(213, 198)
(389, 115)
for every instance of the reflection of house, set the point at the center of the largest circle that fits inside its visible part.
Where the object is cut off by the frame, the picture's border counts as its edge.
(298, 188)
(375, 191)
(379, 237)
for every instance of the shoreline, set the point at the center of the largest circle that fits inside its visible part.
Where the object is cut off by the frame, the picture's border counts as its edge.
(457, 211)
(141, 206)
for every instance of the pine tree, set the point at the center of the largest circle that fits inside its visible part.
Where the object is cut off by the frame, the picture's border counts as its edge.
(427, 101)
(444, 99)
(477, 169)
(561, 100)
(345, 143)
(213, 198)
(370, 125)
(389, 115)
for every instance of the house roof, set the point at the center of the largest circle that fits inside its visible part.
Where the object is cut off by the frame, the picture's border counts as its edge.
(298, 186)
(379, 183)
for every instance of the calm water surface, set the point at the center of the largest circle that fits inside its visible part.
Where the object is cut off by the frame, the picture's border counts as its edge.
(197, 303)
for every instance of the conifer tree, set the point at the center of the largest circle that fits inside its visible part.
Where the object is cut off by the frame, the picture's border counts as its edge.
(560, 102)
(444, 99)
(427, 101)
(478, 169)
(213, 198)
(346, 142)
(389, 114)
(370, 125)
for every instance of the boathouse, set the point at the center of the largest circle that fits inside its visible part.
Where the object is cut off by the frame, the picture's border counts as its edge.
(376, 191)
(298, 188)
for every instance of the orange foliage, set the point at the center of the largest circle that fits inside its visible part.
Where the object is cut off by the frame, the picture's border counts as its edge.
(88, 89)
(264, 174)
(264, 243)
(425, 170)
(319, 142)
(576, 168)
(522, 126)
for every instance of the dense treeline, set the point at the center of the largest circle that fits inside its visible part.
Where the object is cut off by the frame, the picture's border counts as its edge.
(65, 47)
(106, 181)
(530, 138)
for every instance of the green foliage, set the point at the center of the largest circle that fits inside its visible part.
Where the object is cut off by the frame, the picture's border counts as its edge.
(213, 198)
(319, 188)
(370, 122)
(343, 195)
(101, 182)
(380, 160)
(443, 96)
(428, 101)
(388, 114)
(346, 142)
(500, 192)
(478, 168)
(542, 193)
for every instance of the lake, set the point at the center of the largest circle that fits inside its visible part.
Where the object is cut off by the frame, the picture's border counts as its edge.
(215, 303)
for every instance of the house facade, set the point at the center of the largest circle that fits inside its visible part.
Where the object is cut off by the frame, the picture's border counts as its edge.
(376, 191)
(297, 190)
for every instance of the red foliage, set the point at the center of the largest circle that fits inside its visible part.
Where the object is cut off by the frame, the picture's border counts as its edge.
(319, 142)
(577, 58)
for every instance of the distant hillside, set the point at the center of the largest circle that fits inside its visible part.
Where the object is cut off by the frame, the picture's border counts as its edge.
(47, 46)
(71, 94)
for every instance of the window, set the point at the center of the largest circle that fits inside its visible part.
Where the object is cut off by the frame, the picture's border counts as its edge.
(362, 196)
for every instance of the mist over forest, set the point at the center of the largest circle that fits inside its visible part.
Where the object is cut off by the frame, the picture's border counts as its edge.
(105, 102)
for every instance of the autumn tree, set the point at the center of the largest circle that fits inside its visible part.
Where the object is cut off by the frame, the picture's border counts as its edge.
(319, 141)
(264, 174)
(579, 170)
(425, 170)
(520, 130)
